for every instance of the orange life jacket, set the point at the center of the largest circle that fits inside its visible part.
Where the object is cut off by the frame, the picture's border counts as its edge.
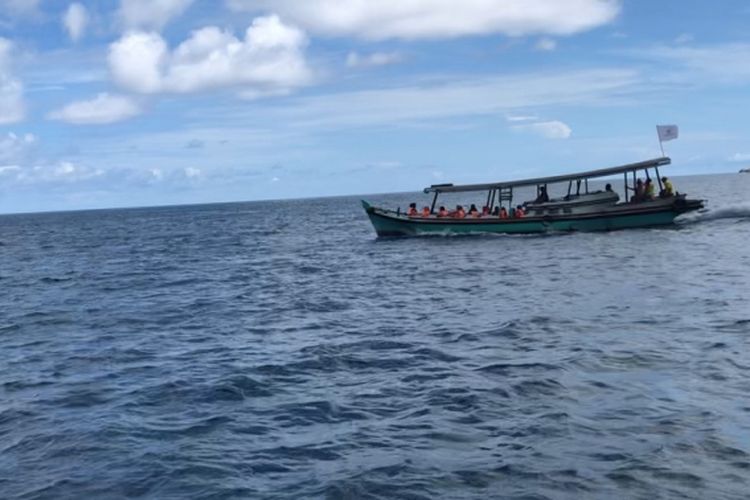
(425, 212)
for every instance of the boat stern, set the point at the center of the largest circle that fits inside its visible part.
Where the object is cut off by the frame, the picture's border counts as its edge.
(682, 204)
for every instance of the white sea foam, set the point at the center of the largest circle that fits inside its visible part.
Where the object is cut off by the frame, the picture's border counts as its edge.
(732, 211)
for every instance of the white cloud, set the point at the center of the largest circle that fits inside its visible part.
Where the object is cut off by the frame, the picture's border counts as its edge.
(157, 174)
(75, 20)
(104, 108)
(546, 44)
(723, 63)
(66, 171)
(521, 118)
(192, 172)
(269, 59)
(13, 148)
(460, 97)
(411, 19)
(684, 38)
(137, 61)
(56, 173)
(150, 14)
(740, 157)
(9, 170)
(12, 107)
(355, 60)
(550, 130)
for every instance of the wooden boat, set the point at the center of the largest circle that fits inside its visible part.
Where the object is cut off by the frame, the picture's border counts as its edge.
(579, 210)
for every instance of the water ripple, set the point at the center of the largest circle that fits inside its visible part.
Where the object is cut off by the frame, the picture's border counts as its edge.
(278, 350)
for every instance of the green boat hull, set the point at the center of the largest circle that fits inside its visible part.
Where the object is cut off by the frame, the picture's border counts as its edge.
(389, 223)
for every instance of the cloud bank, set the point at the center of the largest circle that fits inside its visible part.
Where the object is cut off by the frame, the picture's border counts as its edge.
(431, 19)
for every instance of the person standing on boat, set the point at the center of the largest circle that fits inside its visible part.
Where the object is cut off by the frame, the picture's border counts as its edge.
(543, 196)
(668, 190)
(649, 190)
(412, 210)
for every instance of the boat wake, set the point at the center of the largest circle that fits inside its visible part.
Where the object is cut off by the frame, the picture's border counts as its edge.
(736, 211)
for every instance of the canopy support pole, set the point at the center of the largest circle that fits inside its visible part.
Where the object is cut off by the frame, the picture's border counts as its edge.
(658, 179)
(434, 200)
(626, 187)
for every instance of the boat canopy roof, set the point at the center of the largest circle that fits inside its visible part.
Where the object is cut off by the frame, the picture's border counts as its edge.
(602, 172)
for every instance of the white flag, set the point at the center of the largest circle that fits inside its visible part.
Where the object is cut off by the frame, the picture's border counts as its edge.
(667, 132)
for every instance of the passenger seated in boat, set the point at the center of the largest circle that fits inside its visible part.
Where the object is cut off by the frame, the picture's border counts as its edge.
(649, 190)
(485, 211)
(425, 211)
(668, 190)
(543, 196)
(496, 212)
(503, 213)
(412, 212)
(608, 188)
(519, 212)
(473, 211)
(458, 213)
(442, 212)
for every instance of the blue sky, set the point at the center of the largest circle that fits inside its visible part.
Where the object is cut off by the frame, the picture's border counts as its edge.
(148, 102)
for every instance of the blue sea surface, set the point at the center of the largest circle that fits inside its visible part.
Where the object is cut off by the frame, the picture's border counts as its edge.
(280, 350)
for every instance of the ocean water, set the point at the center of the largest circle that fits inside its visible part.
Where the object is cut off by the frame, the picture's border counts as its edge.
(279, 350)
